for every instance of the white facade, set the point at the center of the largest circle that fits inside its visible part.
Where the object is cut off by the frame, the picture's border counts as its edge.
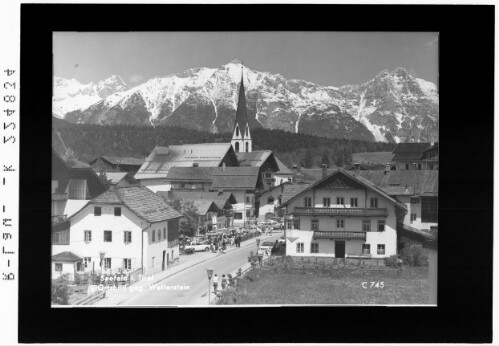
(241, 141)
(365, 231)
(279, 179)
(91, 235)
(413, 216)
(62, 267)
(245, 208)
(155, 185)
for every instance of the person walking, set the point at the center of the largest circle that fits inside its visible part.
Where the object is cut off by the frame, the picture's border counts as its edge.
(215, 283)
(224, 282)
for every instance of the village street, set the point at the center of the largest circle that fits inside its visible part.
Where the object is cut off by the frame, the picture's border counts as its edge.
(159, 291)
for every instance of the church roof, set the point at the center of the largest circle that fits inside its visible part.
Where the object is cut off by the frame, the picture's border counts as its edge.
(241, 113)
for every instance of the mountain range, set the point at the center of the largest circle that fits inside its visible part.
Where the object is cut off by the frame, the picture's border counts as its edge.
(392, 107)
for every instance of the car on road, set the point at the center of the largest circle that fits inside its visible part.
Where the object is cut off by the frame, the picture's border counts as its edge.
(199, 246)
(265, 247)
(282, 240)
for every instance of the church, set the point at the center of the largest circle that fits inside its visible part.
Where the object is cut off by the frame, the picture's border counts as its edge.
(215, 167)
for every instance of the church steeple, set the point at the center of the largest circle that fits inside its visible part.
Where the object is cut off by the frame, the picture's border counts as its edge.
(241, 138)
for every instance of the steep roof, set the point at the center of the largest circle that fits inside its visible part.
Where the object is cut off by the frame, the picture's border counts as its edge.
(404, 182)
(66, 256)
(409, 151)
(190, 173)
(316, 173)
(162, 159)
(140, 200)
(254, 158)
(242, 178)
(115, 177)
(205, 206)
(364, 182)
(283, 169)
(202, 195)
(241, 113)
(120, 160)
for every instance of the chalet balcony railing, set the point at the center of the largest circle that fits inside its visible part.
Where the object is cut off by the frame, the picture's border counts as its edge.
(59, 196)
(58, 218)
(340, 211)
(340, 235)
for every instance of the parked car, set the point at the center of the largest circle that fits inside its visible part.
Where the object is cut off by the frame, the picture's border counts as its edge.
(282, 240)
(265, 247)
(204, 246)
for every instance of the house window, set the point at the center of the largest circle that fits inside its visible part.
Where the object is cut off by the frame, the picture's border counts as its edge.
(88, 236)
(340, 223)
(354, 202)
(107, 263)
(296, 224)
(248, 213)
(108, 236)
(58, 267)
(315, 225)
(164, 233)
(419, 166)
(340, 201)
(79, 266)
(374, 202)
(381, 249)
(152, 262)
(288, 224)
(413, 217)
(153, 235)
(406, 166)
(127, 263)
(77, 189)
(87, 261)
(299, 248)
(267, 175)
(117, 211)
(414, 200)
(97, 211)
(314, 248)
(238, 216)
(366, 225)
(366, 249)
(308, 202)
(327, 201)
(127, 237)
(270, 200)
(381, 225)
(159, 235)
(248, 199)
(60, 238)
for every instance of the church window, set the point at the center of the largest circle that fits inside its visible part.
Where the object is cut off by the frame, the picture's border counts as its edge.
(237, 131)
(237, 147)
(247, 147)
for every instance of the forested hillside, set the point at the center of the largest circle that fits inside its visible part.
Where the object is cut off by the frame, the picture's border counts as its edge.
(89, 141)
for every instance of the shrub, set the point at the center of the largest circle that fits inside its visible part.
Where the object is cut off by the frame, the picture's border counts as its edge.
(414, 255)
(189, 251)
(61, 290)
(391, 261)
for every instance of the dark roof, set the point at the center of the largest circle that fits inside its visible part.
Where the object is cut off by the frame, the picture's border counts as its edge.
(277, 187)
(254, 158)
(115, 177)
(409, 151)
(283, 169)
(291, 190)
(354, 177)
(316, 173)
(244, 178)
(377, 157)
(140, 200)
(241, 113)
(404, 182)
(190, 173)
(162, 159)
(66, 256)
(120, 160)
(204, 195)
(414, 233)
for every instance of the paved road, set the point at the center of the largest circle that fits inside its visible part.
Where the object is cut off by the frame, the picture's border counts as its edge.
(195, 278)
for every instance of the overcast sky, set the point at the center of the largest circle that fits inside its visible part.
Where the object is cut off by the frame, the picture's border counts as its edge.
(325, 58)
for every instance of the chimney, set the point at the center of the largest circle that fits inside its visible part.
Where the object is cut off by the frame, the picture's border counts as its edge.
(223, 167)
(387, 168)
(324, 170)
(356, 166)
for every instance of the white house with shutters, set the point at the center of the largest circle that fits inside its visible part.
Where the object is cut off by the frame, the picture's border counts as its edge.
(121, 230)
(342, 215)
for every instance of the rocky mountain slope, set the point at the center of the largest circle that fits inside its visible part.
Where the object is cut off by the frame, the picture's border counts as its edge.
(393, 106)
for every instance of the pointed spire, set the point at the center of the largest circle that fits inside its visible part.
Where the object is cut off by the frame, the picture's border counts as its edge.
(241, 113)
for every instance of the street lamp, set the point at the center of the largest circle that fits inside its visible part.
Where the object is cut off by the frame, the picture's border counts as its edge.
(210, 274)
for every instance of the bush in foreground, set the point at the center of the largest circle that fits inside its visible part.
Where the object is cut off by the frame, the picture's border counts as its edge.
(61, 290)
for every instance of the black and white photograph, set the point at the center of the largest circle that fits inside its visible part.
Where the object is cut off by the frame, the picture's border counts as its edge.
(244, 168)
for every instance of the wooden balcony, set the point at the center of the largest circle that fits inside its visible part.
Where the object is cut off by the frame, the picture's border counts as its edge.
(363, 212)
(59, 196)
(347, 235)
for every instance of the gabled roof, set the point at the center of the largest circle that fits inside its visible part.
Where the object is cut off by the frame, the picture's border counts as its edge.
(241, 178)
(291, 190)
(205, 206)
(283, 169)
(141, 201)
(190, 173)
(241, 113)
(115, 177)
(66, 256)
(316, 173)
(254, 158)
(202, 195)
(409, 151)
(162, 159)
(414, 233)
(404, 182)
(364, 182)
(275, 188)
(120, 160)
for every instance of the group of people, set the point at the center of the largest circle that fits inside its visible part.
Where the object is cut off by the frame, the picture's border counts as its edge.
(224, 282)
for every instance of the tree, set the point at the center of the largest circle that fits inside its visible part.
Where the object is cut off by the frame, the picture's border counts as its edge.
(189, 222)
(308, 160)
(325, 158)
(61, 290)
(70, 157)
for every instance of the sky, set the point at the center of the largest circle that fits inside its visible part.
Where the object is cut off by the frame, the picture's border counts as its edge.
(324, 58)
